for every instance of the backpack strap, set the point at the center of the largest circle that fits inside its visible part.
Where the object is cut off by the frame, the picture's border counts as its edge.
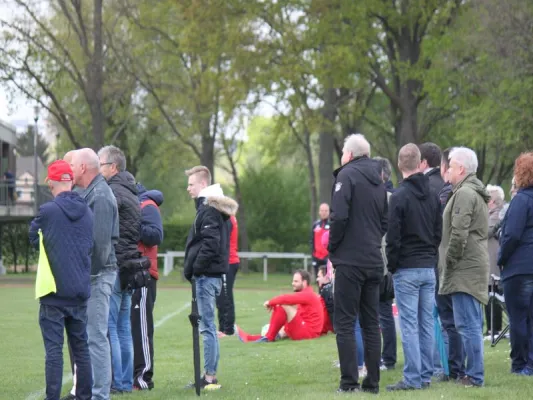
(149, 202)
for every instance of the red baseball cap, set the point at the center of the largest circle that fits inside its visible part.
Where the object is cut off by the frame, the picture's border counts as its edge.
(60, 171)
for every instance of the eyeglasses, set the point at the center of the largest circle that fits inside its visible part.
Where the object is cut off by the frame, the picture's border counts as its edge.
(105, 163)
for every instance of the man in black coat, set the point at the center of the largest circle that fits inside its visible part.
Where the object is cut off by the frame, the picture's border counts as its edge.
(413, 238)
(122, 183)
(207, 259)
(358, 223)
(430, 165)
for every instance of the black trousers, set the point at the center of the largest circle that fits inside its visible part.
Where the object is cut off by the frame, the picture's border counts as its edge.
(497, 311)
(142, 332)
(225, 302)
(357, 295)
(388, 332)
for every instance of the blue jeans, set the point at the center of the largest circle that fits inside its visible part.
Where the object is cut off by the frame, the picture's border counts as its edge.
(53, 320)
(468, 315)
(359, 344)
(121, 339)
(97, 328)
(415, 297)
(207, 290)
(518, 292)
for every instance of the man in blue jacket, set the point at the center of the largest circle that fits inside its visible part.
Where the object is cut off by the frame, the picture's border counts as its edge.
(66, 224)
(143, 300)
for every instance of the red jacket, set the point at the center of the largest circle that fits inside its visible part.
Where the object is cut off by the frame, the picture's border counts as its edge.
(309, 307)
(234, 241)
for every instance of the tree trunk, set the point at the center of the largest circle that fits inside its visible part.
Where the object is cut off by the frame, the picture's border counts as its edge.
(326, 148)
(96, 79)
(207, 158)
(312, 176)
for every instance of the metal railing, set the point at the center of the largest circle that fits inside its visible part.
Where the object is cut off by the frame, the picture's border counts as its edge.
(19, 201)
(169, 256)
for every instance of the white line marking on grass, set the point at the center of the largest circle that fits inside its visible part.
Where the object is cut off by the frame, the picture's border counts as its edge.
(68, 378)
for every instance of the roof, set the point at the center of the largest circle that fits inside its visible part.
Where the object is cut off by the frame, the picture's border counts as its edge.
(8, 133)
(25, 164)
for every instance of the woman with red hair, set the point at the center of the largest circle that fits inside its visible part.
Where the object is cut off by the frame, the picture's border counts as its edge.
(516, 260)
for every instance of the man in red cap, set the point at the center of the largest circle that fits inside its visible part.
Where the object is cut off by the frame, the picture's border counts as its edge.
(66, 225)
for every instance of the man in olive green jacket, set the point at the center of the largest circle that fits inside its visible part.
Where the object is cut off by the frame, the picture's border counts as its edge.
(464, 260)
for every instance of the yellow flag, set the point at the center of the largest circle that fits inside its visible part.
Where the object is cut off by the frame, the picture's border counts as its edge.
(45, 282)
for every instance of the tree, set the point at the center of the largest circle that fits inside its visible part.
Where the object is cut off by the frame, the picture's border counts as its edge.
(187, 67)
(25, 145)
(489, 81)
(398, 62)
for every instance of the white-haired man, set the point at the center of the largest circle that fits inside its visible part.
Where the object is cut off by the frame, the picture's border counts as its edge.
(464, 259)
(358, 223)
(100, 199)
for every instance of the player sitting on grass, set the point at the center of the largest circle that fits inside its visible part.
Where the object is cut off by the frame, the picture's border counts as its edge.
(298, 315)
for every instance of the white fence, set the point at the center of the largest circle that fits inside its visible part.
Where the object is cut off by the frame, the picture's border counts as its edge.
(170, 255)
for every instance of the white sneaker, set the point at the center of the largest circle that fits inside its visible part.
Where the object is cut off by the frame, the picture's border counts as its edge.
(362, 372)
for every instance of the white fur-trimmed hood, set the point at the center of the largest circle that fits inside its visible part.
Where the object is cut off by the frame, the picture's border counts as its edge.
(214, 197)
(224, 204)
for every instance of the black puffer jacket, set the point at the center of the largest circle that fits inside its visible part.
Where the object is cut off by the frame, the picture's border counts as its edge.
(207, 248)
(129, 215)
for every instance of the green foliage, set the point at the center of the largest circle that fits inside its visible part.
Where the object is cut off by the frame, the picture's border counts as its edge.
(278, 202)
(175, 237)
(16, 249)
(25, 146)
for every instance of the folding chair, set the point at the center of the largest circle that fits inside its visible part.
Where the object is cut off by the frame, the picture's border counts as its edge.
(495, 297)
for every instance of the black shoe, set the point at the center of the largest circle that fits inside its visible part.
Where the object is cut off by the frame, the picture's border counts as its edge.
(349, 390)
(115, 392)
(68, 397)
(138, 388)
(441, 377)
(399, 386)
(467, 382)
(426, 385)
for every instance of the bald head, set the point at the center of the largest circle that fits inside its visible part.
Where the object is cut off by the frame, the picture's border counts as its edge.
(69, 155)
(86, 166)
(409, 159)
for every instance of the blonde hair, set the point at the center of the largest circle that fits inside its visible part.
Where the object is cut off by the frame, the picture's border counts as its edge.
(409, 158)
(203, 173)
(497, 194)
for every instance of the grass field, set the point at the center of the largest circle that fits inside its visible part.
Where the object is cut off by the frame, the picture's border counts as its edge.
(282, 370)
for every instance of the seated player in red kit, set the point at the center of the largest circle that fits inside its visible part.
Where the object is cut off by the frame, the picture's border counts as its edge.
(298, 315)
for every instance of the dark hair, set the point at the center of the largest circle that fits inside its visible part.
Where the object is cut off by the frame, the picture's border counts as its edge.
(306, 276)
(385, 168)
(323, 269)
(431, 153)
(445, 159)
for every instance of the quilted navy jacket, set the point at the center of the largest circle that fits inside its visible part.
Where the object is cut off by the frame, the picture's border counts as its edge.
(67, 227)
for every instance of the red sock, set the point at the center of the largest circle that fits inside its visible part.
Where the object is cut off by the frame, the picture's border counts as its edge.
(246, 337)
(253, 338)
(278, 319)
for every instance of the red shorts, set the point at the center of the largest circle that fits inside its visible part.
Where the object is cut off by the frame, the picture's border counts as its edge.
(297, 329)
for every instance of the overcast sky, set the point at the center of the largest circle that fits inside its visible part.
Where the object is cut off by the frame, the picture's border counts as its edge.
(18, 112)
